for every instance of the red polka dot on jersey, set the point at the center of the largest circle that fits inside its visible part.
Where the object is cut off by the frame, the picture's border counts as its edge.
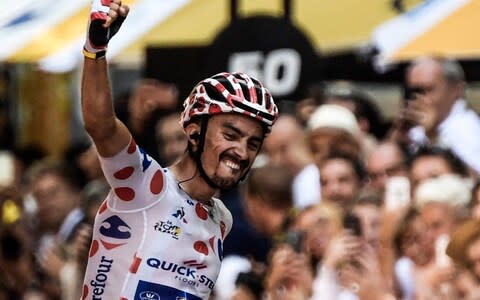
(201, 247)
(103, 207)
(124, 173)
(201, 212)
(125, 193)
(85, 292)
(156, 184)
(135, 264)
(93, 248)
(132, 147)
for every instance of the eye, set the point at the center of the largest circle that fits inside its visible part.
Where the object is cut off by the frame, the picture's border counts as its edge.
(253, 146)
(229, 136)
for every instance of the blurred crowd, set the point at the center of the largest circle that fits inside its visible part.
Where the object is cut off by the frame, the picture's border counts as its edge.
(340, 203)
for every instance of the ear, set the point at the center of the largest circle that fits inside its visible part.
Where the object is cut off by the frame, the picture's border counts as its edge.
(193, 133)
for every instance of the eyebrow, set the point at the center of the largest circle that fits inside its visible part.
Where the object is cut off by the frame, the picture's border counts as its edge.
(230, 126)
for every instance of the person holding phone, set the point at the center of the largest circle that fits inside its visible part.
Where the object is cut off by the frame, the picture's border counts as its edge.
(436, 111)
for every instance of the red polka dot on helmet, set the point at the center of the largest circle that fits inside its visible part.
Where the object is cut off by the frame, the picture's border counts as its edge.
(231, 93)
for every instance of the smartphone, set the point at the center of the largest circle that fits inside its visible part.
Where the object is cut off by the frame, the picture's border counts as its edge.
(397, 192)
(352, 223)
(441, 257)
(295, 238)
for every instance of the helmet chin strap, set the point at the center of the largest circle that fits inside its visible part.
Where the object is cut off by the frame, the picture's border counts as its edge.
(196, 155)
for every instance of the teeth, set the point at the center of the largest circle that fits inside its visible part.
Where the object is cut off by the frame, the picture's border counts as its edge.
(232, 165)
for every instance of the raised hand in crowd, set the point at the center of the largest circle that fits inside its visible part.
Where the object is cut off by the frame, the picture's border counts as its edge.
(416, 112)
(341, 250)
(364, 276)
(289, 275)
(51, 260)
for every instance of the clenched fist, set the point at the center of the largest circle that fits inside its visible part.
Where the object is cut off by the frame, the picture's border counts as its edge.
(106, 18)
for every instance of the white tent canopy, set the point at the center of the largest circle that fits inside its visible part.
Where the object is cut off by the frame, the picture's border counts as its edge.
(27, 27)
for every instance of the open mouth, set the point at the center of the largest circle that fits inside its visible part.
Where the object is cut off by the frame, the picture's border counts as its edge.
(232, 165)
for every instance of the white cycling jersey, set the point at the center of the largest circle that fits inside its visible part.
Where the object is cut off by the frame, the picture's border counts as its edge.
(150, 239)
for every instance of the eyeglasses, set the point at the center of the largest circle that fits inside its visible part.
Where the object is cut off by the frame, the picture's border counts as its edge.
(390, 171)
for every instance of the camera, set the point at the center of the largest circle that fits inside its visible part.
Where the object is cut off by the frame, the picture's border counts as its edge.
(412, 92)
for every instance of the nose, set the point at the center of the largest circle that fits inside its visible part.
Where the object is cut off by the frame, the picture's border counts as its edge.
(241, 151)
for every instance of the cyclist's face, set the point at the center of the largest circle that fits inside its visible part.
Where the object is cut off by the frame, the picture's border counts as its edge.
(232, 142)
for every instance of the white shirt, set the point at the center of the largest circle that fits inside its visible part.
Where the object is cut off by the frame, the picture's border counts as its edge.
(306, 187)
(150, 239)
(459, 131)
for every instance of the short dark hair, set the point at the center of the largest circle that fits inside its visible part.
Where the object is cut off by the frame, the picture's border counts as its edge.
(55, 167)
(456, 164)
(355, 162)
(273, 185)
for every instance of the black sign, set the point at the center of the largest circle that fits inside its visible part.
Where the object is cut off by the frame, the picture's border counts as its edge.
(270, 49)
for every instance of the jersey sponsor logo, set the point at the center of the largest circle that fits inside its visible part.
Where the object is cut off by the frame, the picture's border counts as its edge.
(146, 160)
(148, 295)
(167, 227)
(114, 229)
(186, 273)
(100, 280)
(180, 214)
(154, 291)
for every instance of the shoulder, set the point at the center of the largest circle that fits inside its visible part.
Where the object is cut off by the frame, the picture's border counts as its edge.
(223, 213)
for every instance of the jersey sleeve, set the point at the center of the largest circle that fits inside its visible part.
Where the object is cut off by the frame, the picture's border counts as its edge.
(136, 179)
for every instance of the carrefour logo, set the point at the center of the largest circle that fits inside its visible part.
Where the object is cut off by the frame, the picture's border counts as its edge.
(115, 230)
(115, 227)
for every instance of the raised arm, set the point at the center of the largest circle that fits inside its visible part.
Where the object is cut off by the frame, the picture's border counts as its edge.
(108, 133)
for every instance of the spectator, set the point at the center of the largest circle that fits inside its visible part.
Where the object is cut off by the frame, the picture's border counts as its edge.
(269, 209)
(268, 199)
(443, 202)
(464, 249)
(435, 91)
(286, 147)
(431, 162)
(333, 128)
(341, 179)
(17, 269)
(320, 223)
(417, 272)
(170, 138)
(367, 208)
(385, 161)
(149, 100)
(368, 116)
(57, 195)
